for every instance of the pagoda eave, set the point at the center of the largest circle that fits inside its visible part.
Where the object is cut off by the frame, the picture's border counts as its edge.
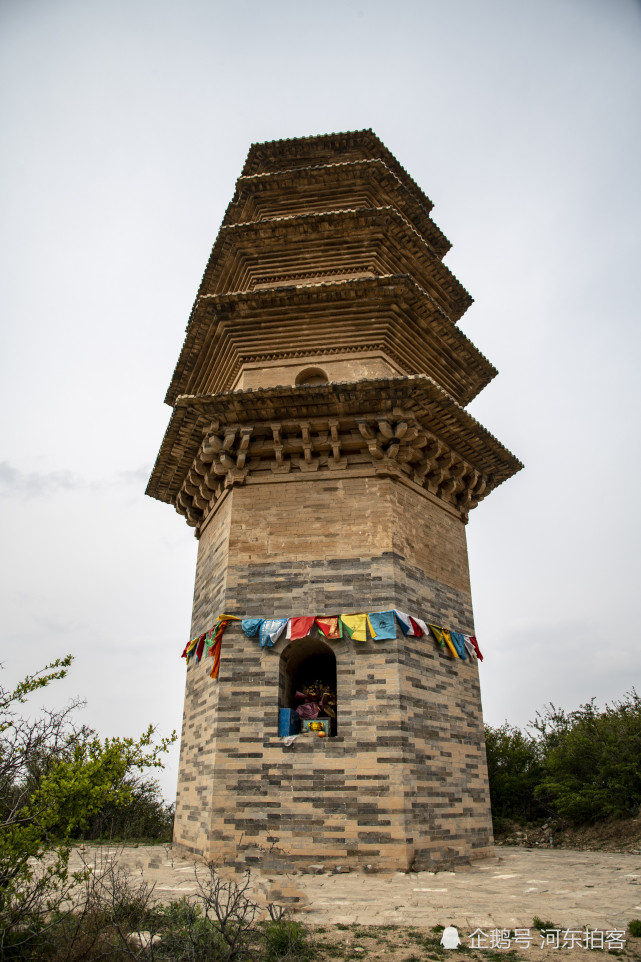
(407, 428)
(227, 330)
(323, 149)
(304, 247)
(340, 186)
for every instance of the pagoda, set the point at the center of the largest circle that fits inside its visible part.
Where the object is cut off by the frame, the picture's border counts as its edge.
(320, 448)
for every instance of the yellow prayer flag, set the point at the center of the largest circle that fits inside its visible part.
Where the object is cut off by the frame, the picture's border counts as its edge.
(356, 626)
(449, 642)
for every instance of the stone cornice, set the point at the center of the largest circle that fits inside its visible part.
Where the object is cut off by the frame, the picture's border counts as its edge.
(282, 250)
(340, 186)
(390, 314)
(404, 428)
(323, 149)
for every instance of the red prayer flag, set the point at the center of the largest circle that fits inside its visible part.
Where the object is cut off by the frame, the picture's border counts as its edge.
(217, 644)
(476, 647)
(330, 627)
(189, 648)
(301, 627)
(201, 645)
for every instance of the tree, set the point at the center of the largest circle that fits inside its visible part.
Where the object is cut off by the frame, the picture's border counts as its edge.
(592, 769)
(514, 770)
(581, 766)
(54, 777)
(146, 816)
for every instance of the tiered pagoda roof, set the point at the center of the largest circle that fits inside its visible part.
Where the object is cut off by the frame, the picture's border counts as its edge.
(343, 186)
(390, 313)
(327, 254)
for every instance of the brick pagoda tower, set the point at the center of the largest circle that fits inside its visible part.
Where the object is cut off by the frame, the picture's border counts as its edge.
(320, 448)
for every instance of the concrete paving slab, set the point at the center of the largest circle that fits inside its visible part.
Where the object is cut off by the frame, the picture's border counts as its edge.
(572, 889)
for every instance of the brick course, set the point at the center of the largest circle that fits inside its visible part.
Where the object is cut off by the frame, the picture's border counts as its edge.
(404, 781)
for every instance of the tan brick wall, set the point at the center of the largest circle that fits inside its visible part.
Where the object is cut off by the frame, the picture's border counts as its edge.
(352, 368)
(198, 751)
(404, 782)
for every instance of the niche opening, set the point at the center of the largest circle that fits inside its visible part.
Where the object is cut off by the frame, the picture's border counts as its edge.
(309, 665)
(311, 375)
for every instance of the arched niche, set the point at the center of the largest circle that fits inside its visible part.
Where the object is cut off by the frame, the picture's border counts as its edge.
(303, 662)
(311, 375)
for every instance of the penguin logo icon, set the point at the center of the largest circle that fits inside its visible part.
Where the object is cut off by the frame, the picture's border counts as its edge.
(450, 939)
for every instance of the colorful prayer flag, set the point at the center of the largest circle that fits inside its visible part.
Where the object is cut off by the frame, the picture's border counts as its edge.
(271, 630)
(448, 641)
(355, 626)
(300, 627)
(330, 627)
(382, 625)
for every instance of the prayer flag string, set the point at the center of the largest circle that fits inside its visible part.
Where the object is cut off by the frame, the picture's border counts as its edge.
(381, 625)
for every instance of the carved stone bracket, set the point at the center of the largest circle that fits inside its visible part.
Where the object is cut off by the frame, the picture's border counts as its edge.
(392, 440)
(307, 462)
(335, 461)
(280, 465)
(219, 464)
(396, 445)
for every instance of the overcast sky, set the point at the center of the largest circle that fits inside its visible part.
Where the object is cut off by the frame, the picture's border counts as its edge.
(125, 126)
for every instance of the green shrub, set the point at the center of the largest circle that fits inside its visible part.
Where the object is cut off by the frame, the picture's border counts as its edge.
(287, 940)
(55, 777)
(635, 928)
(591, 760)
(190, 937)
(145, 816)
(515, 771)
(581, 766)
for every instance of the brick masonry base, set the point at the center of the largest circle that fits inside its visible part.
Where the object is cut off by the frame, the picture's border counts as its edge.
(403, 784)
